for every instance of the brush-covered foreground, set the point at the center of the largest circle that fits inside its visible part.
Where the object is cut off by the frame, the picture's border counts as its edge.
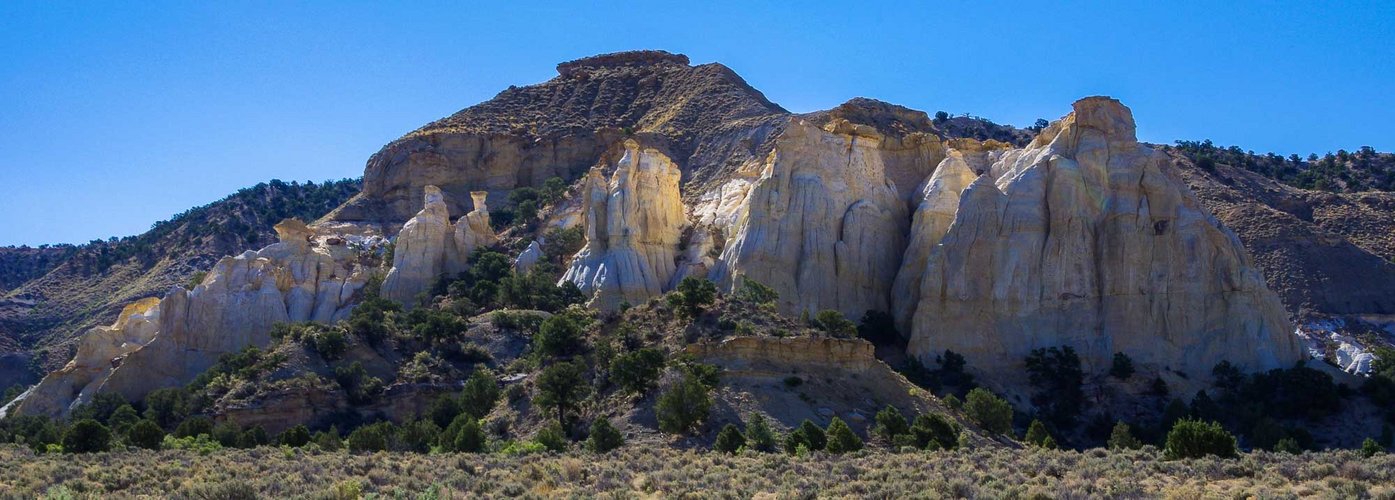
(642, 472)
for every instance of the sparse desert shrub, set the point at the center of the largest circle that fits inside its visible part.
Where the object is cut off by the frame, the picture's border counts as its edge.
(841, 438)
(684, 405)
(604, 436)
(1195, 439)
(87, 436)
(989, 411)
(729, 439)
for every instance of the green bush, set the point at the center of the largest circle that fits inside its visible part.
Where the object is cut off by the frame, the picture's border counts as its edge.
(559, 336)
(296, 437)
(1370, 448)
(167, 407)
(684, 405)
(357, 384)
(808, 436)
(226, 434)
(692, 296)
(604, 436)
(729, 439)
(480, 393)
(87, 436)
(469, 436)
(122, 419)
(934, 431)
(329, 440)
(443, 410)
(835, 324)
(755, 292)
(253, 437)
(1195, 439)
(552, 438)
(841, 438)
(1121, 438)
(638, 371)
(371, 438)
(146, 434)
(989, 411)
(759, 435)
(193, 426)
(891, 423)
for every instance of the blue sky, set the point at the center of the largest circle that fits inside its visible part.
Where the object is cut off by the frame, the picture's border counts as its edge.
(114, 115)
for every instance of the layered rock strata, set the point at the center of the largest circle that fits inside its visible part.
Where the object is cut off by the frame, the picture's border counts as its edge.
(1082, 239)
(633, 223)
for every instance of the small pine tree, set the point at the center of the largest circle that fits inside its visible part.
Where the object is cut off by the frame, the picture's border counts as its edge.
(813, 435)
(935, 432)
(443, 410)
(471, 438)
(890, 423)
(1195, 439)
(329, 440)
(1122, 368)
(681, 407)
(991, 412)
(759, 436)
(480, 393)
(729, 439)
(841, 438)
(146, 434)
(604, 436)
(1121, 438)
(1037, 434)
(953, 402)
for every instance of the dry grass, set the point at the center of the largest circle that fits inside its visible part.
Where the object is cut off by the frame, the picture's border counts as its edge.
(637, 472)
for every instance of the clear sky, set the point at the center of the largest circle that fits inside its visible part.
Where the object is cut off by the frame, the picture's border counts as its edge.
(114, 115)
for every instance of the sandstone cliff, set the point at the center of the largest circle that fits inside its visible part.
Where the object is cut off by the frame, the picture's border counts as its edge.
(633, 223)
(824, 225)
(429, 245)
(1082, 239)
(166, 342)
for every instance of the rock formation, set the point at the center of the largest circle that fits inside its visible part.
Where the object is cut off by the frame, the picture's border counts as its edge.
(1082, 239)
(823, 226)
(429, 245)
(167, 342)
(633, 224)
(528, 258)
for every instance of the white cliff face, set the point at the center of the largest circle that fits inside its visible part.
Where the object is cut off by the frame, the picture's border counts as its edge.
(167, 342)
(633, 225)
(824, 226)
(528, 258)
(1084, 239)
(939, 200)
(429, 246)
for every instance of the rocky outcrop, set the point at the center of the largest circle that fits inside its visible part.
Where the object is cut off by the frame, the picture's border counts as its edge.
(633, 224)
(1082, 239)
(824, 225)
(167, 342)
(528, 258)
(776, 355)
(429, 246)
